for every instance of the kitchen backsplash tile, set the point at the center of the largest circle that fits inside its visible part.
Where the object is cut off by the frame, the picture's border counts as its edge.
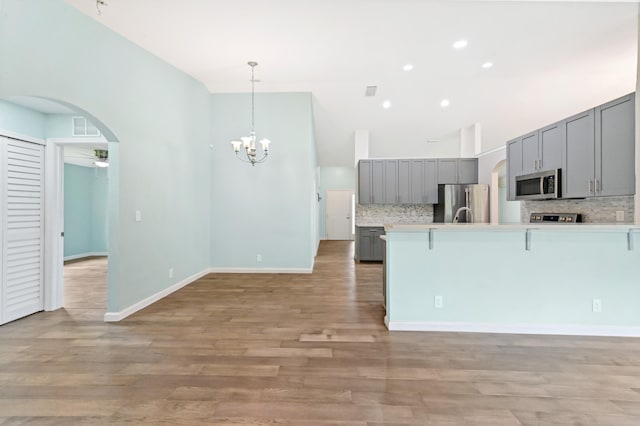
(594, 210)
(378, 214)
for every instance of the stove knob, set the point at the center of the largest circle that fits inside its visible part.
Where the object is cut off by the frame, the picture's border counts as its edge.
(569, 219)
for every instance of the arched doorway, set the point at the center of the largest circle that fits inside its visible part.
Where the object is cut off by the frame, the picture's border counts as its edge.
(52, 124)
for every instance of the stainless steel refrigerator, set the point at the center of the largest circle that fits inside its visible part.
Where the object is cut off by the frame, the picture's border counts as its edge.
(469, 202)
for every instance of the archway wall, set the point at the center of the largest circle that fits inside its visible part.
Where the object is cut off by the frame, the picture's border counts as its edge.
(48, 49)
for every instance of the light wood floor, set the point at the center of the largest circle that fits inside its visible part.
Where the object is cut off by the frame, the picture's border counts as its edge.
(305, 350)
(85, 284)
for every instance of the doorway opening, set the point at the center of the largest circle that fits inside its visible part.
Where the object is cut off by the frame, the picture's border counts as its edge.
(340, 214)
(56, 125)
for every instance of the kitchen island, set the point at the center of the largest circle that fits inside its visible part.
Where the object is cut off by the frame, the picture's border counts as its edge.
(579, 279)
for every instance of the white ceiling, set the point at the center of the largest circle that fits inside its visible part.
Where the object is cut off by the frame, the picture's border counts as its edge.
(551, 60)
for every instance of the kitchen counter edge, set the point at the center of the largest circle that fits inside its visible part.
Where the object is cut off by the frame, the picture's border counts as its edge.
(601, 227)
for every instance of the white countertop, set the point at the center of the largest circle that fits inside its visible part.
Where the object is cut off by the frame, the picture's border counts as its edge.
(588, 227)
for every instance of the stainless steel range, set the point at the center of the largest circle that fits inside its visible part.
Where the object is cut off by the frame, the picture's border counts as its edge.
(555, 218)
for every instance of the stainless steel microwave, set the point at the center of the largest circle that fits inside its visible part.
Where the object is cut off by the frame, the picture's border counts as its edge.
(538, 186)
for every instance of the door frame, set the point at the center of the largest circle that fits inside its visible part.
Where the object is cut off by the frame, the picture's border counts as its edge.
(54, 218)
(326, 211)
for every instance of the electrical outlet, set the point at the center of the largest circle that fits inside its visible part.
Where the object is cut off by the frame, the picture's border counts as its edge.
(620, 216)
(597, 305)
(170, 272)
(259, 258)
(437, 302)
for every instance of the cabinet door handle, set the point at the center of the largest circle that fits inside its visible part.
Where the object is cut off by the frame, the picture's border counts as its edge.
(590, 186)
(540, 164)
(597, 186)
(535, 164)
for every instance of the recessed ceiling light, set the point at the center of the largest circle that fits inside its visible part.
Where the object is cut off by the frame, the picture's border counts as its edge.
(407, 67)
(444, 103)
(487, 65)
(386, 104)
(460, 44)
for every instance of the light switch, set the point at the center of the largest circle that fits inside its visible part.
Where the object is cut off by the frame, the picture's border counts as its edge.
(138, 216)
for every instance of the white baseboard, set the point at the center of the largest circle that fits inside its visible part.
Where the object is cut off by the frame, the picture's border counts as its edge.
(554, 329)
(81, 255)
(261, 270)
(118, 316)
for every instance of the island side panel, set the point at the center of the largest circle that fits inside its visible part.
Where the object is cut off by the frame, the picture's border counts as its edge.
(488, 281)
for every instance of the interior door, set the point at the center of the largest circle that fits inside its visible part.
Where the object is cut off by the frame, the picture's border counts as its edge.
(339, 214)
(22, 196)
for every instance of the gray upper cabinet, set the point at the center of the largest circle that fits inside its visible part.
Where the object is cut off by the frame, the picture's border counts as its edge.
(371, 181)
(542, 149)
(467, 170)
(595, 151)
(364, 182)
(457, 170)
(411, 181)
(530, 153)
(447, 170)
(514, 166)
(404, 181)
(430, 181)
(579, 156)
(550, 147)
(615, 147)
(424, 181)
(391, 181)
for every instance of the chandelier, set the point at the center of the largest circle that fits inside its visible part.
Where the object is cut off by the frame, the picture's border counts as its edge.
(249, 142)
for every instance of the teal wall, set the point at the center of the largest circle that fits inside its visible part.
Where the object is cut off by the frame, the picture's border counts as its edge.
(333, 178)
(146, 105)
(23, 121)
(58, 126)
(266, 209)
(85, 210)
(487, 277)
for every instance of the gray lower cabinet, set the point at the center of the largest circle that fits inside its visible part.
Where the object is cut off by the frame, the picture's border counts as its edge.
(457, 170)
(369, 246)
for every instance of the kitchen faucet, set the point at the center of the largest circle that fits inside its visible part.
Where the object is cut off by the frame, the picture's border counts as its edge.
(456, 217)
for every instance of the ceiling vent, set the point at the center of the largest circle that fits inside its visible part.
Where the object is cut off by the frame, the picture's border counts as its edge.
(82, 127)
(371, 91)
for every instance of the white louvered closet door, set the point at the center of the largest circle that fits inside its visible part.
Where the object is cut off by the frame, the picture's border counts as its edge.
(22, 233)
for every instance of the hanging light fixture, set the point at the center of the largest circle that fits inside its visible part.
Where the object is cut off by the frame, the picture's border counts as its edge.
(249, 142)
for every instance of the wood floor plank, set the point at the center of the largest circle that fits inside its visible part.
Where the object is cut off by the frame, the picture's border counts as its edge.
(299, 350)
